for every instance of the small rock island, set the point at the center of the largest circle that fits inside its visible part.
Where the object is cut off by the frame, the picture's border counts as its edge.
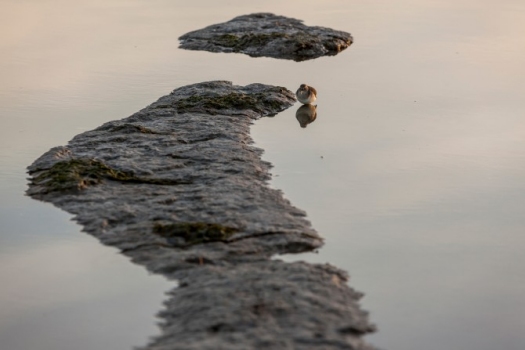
(268, 35)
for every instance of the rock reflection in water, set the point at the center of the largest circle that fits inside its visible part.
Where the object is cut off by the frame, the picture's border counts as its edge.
(306, 114)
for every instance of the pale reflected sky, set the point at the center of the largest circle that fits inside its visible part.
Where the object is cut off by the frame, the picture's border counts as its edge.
(62, 290)
(419, 190)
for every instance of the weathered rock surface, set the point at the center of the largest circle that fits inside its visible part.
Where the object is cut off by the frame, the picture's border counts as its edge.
(265, 34)
(179, 188)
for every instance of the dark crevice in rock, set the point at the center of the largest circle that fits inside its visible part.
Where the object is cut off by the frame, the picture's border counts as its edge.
(128, 128)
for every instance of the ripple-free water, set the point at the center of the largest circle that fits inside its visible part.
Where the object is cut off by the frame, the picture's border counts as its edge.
(413, 170)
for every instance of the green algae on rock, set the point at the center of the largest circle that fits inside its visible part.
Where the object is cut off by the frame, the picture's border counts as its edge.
(189, 233)
(79, 173)
(76, 174)
(268, 35)
(257, 102)
(244, 41)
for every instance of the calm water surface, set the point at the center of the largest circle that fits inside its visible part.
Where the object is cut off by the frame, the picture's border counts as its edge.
(413, 170)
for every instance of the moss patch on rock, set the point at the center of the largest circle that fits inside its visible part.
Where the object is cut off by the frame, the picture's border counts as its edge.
(80, 173)
(189, 233)
(77, 174)
(245, 41)
(300, 42)
(257, 102)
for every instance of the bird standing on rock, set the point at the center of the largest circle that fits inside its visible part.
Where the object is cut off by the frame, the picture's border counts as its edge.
(306, 94)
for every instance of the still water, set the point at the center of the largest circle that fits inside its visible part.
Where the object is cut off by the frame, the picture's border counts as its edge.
(413, 170)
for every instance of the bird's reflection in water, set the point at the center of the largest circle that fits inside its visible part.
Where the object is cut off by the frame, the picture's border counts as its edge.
(306, 114)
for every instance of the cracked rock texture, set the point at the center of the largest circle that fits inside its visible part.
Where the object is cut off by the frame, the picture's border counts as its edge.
(268, 35)
(180, 189)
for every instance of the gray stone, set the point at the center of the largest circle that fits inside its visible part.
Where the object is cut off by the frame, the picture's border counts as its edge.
(180, 189)
(268, 35)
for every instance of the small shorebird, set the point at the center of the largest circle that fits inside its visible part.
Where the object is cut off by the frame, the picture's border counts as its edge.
(306, 94)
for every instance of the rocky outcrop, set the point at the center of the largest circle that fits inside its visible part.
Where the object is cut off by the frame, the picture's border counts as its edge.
(180, 189)
(268, 35)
